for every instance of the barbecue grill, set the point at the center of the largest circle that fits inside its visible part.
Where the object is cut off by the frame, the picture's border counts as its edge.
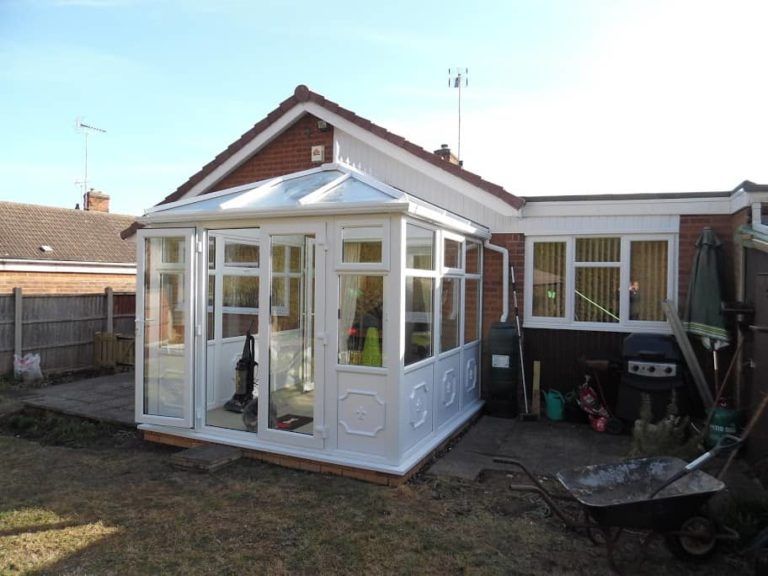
(652, 364)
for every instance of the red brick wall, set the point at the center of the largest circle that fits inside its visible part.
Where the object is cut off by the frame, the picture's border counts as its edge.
(493, 278)
(724, 226)
(65, 282)
(289, 152)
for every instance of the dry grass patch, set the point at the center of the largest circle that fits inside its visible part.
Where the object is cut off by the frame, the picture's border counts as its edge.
(123, 509)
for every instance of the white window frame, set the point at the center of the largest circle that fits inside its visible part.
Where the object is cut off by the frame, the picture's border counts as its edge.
(345, 224)
(567, 322)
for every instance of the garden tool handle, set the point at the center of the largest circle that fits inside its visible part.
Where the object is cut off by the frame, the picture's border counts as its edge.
(727, 442)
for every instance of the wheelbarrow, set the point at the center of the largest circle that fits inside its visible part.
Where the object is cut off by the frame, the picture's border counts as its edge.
(659, 496)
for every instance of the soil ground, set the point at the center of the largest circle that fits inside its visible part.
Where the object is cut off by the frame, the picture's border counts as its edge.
(83, 498)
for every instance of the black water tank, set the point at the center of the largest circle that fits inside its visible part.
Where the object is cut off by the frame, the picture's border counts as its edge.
(501, 389)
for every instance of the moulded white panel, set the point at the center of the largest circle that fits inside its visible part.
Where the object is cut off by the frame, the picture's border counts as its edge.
(416, 415)
(447, 394)
(362, 413)
(365, 420)
(470, 384)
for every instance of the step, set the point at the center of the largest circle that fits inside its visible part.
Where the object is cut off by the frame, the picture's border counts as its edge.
(206, 458)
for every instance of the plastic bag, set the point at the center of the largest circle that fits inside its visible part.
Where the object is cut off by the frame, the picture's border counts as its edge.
(27, 367)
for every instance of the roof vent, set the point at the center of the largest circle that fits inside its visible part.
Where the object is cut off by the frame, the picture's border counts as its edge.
(45, 248)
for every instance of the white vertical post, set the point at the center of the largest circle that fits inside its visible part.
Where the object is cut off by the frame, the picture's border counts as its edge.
(18, 318)
(108, 292)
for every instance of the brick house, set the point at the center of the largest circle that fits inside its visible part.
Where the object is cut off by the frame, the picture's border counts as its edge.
(349, 236)
(47, 250)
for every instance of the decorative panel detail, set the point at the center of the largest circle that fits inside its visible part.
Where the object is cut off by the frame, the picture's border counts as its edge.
(418, 405)
(471, 374)
(448, 387)
(362, 412)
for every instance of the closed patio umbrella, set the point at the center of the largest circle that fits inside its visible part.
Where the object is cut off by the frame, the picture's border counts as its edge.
(703, 315)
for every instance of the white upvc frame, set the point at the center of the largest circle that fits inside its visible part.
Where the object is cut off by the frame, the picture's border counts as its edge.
(319, 343)
(189, 269)
(351, 223)
(567, 322)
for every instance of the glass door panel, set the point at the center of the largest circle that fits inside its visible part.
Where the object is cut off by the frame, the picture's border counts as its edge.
(234, 268)
(164, 331)
(292, 334)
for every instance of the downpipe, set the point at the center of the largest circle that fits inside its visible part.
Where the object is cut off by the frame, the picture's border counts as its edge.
(505, 278)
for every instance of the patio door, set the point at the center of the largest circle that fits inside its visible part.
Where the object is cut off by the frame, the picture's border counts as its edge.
(295, 336)
(164, 331)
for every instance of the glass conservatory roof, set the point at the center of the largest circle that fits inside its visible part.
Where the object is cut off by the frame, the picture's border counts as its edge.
(325, 186)
(331, 188)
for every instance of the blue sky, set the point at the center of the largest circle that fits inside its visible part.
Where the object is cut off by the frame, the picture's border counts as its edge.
(565, 96)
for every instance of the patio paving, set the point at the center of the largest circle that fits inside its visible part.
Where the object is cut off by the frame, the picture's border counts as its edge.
(105, 398)
(545, 447)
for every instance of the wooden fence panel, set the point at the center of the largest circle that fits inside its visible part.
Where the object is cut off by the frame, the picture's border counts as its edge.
(7, 307)
(61, 327)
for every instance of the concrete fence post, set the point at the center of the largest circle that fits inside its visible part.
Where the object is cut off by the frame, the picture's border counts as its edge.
(18, 319)
(108, 292)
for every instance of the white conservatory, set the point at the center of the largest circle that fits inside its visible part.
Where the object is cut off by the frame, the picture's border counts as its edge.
(362, 303)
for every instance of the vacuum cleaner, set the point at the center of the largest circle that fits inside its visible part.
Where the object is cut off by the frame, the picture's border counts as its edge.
(245, 376)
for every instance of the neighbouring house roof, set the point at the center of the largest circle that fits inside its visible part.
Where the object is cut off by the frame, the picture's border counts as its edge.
(45, 233)
(303, 94)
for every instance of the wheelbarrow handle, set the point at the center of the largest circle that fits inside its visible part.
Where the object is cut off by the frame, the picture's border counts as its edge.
(727, 442)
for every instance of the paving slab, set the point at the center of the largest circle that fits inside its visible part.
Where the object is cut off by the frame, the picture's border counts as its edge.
(545, 447)
(105, 398)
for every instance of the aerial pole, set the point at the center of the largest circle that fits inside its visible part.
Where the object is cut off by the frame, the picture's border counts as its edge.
(85, 130)
(457, 77)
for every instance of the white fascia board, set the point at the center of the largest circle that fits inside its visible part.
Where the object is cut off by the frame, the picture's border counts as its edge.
(635, 207)
(447, 220)
(596, 225)
(741, 199)
(311, 210)
(248, 150)
(401, 155)
(64, 266)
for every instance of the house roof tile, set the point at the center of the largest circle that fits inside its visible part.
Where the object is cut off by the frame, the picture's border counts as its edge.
(73, 235)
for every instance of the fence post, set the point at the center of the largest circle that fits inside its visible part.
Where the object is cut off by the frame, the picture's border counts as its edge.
(110, 310)
(18, 318)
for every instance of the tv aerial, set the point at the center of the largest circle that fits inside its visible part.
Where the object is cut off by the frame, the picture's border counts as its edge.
(86, 130)
(456, 78)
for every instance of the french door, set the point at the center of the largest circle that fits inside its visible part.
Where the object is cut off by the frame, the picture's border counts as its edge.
(291, 388)
(164, 326)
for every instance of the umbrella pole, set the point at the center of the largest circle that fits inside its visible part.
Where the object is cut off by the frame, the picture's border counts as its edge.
(716, 368)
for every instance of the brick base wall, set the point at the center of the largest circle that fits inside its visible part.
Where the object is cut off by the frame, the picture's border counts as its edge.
(289, 152)
(65, 282)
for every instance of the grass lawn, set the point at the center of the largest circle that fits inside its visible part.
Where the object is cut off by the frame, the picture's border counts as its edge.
(107, 503)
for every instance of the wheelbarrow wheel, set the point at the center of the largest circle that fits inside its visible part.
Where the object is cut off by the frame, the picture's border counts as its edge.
(694, 541)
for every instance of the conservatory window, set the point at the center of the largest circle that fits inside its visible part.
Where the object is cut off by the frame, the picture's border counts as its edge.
(239, 284)
(362, 245)
(419, 248)
(449, 313)
(419, 318)
(419, 293)
(361, 327)
(471, 310)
